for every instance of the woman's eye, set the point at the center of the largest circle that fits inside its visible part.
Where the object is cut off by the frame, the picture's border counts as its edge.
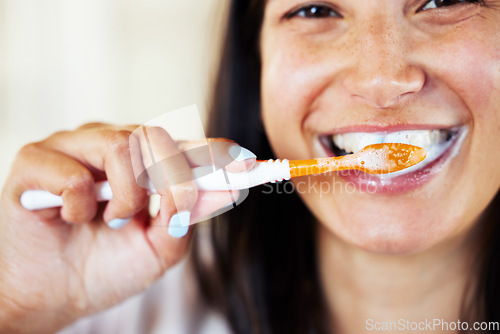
(313, 12)
(433, 4)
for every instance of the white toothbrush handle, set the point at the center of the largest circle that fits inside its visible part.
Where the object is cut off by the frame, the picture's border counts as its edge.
(263, 172)
(41, 199)
(205, 178)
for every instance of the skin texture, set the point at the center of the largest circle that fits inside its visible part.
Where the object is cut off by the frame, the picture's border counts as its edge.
(387, 63)
(58, 265)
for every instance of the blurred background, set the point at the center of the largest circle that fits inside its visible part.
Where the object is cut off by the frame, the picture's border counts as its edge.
(67, 62)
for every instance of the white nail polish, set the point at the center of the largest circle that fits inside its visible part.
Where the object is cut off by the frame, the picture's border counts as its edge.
(117, 224)
(240, 154)
(179, 224)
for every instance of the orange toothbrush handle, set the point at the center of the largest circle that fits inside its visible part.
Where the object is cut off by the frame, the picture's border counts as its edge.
(313, 166)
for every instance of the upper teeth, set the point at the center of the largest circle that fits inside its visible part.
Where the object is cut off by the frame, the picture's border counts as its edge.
(435, 143)
(356, 141)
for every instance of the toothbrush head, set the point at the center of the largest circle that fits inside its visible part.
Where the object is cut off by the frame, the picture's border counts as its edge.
(387, 158)
(373, 159)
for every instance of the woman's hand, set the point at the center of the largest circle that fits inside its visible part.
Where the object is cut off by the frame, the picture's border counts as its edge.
(57, 265)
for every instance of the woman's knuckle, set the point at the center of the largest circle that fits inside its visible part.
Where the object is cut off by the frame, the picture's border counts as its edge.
(25, 156)
(57, 136)
(92, 125)
(134, 202)
(119, 141)
(28, 149)
(80, 182)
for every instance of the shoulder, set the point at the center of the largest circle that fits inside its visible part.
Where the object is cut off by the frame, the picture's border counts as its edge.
(171, 305)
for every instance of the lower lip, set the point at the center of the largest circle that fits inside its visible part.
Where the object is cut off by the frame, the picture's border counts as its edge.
(375, 184)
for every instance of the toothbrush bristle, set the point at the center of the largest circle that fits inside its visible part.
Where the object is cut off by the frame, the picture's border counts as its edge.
(373, 159)
(389, 157)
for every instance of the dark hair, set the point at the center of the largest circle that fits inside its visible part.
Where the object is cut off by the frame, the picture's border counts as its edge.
(488, 293)
(264, 274)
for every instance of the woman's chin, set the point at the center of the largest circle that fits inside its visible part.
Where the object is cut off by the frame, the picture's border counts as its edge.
(382, 241)
(389, 229)
(385, 239)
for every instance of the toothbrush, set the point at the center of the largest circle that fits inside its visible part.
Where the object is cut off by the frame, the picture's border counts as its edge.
(373, 159)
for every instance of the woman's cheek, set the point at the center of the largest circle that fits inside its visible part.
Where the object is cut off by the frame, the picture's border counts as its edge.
(291, 83)
(475, 72)
(469, 64)
(285, 82)
(474, 76)
(282, 101)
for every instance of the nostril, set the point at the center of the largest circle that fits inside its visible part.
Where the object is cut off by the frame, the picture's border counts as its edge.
(384, 87)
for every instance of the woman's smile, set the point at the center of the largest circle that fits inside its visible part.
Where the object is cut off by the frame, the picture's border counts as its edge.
(441, 145)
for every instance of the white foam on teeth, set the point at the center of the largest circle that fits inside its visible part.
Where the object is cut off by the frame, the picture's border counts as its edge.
(433, 152)
(356, 141)
(433, 141)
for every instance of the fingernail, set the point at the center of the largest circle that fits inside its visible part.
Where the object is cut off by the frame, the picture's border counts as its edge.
(239, 153)
(179, 224)
(117, 224)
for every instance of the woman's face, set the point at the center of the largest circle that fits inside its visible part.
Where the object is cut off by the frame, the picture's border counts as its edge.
(339, 75)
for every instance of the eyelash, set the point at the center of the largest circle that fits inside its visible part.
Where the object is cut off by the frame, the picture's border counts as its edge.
(313, 11)
(454, 3)
(321, 11)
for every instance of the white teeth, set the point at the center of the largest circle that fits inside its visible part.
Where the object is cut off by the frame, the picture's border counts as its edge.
(339, 141)
(356, 141)
(435, 143)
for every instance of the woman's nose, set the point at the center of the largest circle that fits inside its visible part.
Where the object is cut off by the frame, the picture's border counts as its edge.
(380, 73)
